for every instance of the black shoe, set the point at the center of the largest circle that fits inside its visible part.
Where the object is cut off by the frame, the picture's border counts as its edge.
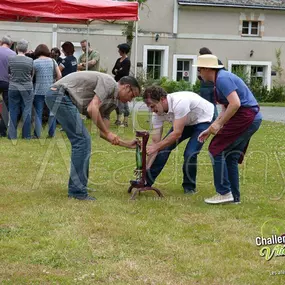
(236, 200)
(50, 137)
(189, 191)
(82, 198)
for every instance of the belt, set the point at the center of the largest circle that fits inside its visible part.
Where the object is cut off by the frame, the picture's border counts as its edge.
(60, 89)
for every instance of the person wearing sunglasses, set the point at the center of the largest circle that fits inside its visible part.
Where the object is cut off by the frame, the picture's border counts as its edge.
(94, 94)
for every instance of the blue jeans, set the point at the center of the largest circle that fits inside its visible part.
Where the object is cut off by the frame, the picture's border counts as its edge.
(4, 86)
(68, 116)
(20, 101)
(225, 164)
(191, 151)
(39, 102)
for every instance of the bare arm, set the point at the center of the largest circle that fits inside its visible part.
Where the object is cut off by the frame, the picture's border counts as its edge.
(61, 67)
(234, 104)
(156, 138)
(224, 117)
(178, 127)
(58, 73)
(128, 144)
(94, 113)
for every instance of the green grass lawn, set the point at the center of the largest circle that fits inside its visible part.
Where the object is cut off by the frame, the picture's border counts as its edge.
(46, 238)
(277, 104)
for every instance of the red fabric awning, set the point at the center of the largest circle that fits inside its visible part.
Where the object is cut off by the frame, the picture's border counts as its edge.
(67, 11)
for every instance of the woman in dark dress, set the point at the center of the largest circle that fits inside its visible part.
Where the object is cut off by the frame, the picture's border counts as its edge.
(121, 69)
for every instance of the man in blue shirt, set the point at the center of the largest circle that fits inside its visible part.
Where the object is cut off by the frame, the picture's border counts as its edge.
(232, 130)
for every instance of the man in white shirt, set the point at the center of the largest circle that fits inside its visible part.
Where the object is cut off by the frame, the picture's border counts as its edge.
(190, 115)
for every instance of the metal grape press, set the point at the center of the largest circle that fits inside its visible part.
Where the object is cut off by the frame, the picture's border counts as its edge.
(140, 172)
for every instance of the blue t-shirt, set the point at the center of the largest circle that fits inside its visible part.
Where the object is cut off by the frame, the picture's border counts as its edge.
(69, 65)
(228, 82)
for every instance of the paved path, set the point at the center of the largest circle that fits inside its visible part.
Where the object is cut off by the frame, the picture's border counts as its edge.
(274, 114)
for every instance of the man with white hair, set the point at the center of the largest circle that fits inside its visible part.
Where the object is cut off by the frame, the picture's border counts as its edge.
(5, 54)
(20, 91)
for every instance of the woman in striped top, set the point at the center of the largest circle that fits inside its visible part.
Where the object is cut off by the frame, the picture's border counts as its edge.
(20, 94)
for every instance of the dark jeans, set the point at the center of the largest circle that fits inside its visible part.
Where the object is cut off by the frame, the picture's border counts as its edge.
(192, 149)
(225, 164)
(20, 101)
(39, 102)
(4, 86)
(68, 116)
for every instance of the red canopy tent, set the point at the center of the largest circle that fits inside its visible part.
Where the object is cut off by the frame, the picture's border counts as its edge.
(67, 11)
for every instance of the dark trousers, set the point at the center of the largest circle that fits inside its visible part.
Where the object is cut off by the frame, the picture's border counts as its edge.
(4, 86)
(20, 100)
(191, 152)
(225, 164)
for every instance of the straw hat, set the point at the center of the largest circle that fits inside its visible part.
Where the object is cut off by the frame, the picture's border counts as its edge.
(208, 61)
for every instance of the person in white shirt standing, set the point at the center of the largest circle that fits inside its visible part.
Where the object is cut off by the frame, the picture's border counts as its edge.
(190, 115)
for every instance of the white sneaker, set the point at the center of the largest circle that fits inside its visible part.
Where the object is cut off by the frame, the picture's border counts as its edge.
(220, 199)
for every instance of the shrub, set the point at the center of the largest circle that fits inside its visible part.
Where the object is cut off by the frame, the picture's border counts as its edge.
(276, 94)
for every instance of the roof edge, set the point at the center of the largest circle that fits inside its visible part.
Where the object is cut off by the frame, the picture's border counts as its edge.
(187, 3)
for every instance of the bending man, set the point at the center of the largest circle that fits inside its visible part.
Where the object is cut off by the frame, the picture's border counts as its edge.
(190, 115)
(90, 93)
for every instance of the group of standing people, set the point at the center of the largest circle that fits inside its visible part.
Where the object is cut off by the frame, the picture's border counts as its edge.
(25, 78)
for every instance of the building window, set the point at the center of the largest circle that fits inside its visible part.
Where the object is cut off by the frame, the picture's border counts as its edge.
(155, 61)
(251, 28)
(154, 64)
(182, 68)
(249, 71)
(257, 74)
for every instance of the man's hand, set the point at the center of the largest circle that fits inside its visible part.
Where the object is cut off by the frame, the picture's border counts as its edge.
(132, 144)
(215, 127)
(204, 135)
(152, 149)
(80, 66)
(128, 144)
(112, 138)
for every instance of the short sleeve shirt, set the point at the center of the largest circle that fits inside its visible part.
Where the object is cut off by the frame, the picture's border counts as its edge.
(69, 65)
(228, 82)
(93, 55)
(181, 104)
(83, 86)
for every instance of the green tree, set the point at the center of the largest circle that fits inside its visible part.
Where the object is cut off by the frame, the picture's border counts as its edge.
(130, 27)
(278, 67)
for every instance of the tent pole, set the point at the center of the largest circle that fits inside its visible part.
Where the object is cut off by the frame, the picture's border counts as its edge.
(136, 42)
(136, 49)
(87, 44)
